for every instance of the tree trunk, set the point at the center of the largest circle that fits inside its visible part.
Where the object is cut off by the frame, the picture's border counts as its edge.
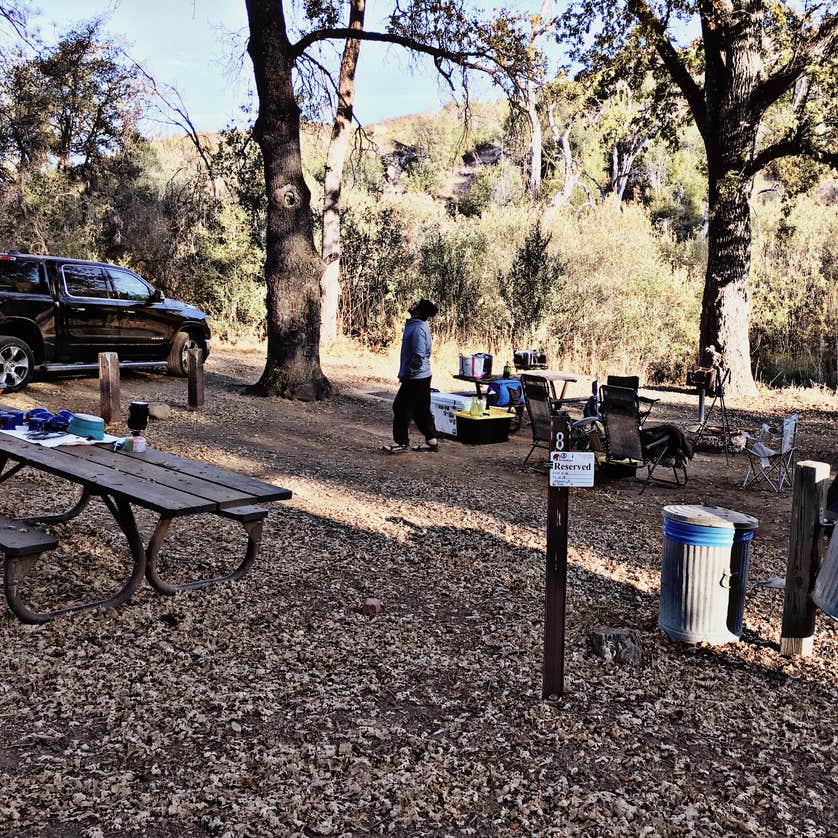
(536, 141)
(539, 25)
(292, 266)
(335, 157)
(726, 307)
(730, 141)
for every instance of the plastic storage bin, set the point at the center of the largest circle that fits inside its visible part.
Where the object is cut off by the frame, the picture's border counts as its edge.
(492, 427)
(704, 574)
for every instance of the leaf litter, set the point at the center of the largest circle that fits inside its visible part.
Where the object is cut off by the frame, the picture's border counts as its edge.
(274, 706)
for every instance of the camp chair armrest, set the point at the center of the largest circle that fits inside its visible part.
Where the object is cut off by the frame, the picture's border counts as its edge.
(582, 423)
(656, 444)
(559, 404)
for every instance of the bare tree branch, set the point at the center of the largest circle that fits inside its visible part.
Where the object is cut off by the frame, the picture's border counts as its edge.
(183, 120)
(673, 62)
(820, 44)
(468, 59)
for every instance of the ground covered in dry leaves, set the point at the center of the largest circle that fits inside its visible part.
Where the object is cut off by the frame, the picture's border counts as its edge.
(274, 707)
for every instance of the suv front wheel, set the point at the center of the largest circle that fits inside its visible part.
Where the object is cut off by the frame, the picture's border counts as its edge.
(179, 353)
(17, 363)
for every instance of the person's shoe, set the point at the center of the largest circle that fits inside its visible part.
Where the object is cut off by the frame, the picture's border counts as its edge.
(395, 448)
(428, 445)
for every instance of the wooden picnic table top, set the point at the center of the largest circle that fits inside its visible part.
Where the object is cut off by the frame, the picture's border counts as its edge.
(550, 375)
(155, 480)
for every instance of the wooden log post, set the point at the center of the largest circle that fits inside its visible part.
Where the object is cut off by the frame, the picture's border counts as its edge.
(555, 583)
(109, 408)
(195, 373)
(811, 481)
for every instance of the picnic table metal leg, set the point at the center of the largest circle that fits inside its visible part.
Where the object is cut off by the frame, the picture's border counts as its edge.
(49, 518)
(17, 569)
(62, 517)
(11, 472)
(254, 539)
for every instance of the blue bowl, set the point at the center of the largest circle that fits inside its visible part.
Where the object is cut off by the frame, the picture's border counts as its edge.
(37, 423)
(37, 411)
(83, 424)
(8, 421)
(57, 423)
(11, 419)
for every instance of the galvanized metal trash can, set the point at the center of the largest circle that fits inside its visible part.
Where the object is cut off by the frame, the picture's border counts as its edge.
(704, 573)
(740, 563)
(825, 595)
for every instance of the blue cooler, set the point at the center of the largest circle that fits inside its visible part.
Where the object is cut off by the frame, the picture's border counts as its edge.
(506, 390)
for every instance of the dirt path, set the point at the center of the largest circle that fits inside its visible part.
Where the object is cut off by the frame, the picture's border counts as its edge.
(273, 707)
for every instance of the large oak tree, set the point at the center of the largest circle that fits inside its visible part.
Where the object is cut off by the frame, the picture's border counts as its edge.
(752, 58)
(282, 55)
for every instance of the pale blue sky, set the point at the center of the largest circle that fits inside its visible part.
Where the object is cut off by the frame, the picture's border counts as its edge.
(197, 47)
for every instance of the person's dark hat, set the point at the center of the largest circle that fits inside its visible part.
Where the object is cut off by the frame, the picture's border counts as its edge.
(423, 309)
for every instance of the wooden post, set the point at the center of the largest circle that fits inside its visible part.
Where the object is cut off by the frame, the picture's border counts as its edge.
(109, 387)
(195, 372)
(811, 481)
(555, 586)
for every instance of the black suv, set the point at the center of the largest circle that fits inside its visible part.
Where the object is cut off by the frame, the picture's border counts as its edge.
(58, 314)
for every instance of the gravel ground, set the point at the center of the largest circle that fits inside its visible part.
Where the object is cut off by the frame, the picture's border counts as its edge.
(275, 707)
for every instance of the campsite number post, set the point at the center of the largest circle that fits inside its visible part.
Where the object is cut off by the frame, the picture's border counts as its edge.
(567, 468)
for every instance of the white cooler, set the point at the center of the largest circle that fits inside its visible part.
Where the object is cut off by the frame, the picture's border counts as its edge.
(444, 407)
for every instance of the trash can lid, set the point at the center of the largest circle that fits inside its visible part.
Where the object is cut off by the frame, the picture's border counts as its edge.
(710, 516)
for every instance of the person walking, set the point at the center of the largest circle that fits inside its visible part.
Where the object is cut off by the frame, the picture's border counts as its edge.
(413, 401)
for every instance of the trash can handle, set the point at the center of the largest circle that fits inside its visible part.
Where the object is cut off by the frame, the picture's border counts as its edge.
(728, 579)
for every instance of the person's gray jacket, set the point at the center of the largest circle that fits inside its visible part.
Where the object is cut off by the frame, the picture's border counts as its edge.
(416, 350)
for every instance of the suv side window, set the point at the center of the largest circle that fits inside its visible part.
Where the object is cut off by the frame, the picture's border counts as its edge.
(128, 286)
(85, 281)
(21, 276)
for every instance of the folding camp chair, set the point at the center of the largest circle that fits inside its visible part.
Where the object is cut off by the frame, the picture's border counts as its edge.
(632, 382)
(627, 446)
(771, 455)
(541, 407)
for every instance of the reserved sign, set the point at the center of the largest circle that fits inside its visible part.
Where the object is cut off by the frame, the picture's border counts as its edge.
(572, 468)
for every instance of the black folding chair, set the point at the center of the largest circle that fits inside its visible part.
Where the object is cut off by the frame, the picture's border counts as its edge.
(632, 382)
(541, 407)
(628, 446)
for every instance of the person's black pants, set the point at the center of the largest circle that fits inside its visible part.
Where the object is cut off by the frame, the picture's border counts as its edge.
(413, 401)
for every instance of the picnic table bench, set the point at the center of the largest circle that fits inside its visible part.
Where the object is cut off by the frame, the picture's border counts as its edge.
(169, 485)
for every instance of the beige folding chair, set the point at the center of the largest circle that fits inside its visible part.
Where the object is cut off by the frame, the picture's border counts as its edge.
(771, 455)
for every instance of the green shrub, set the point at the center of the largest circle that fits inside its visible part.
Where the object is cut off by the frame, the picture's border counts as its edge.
(376, 261)
(794, 274)
(531, 286)
(621, 305)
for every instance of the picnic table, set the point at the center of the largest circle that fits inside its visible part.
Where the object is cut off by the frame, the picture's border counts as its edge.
(551, 376)
(169, 485)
